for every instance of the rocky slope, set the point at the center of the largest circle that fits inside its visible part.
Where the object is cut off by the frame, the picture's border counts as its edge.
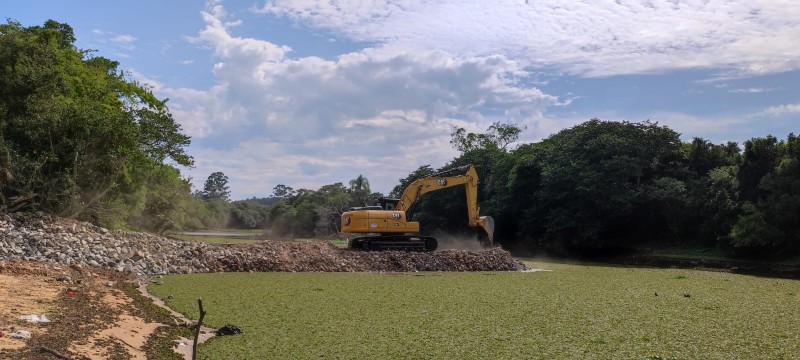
(42, 237)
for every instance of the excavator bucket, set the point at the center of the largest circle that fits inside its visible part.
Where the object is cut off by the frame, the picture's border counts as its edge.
(485, 231)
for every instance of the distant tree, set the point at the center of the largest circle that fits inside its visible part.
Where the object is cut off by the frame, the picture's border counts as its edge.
(422, 171)
(498, 136)
(282, 191)
(360, 184)
(249, 214)
(216, 187)
(359, 190)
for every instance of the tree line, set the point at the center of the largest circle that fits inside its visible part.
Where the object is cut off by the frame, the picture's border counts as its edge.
(288, 212)
(606, 186)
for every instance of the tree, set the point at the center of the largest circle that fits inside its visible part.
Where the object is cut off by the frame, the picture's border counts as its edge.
(79, 133)
(769, 224)
(216, 187)
(359, 189)
(497, 136)
(360, 184)
(422, 171)
(605, 184)
(282, 191)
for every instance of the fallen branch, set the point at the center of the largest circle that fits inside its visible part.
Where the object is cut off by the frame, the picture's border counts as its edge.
(197, 330)
(56, 353)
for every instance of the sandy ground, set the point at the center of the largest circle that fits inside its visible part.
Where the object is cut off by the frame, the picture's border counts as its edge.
(23, 295)
(128, 330)
(89, 319)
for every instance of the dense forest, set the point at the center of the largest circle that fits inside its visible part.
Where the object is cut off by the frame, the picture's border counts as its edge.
(80, 139)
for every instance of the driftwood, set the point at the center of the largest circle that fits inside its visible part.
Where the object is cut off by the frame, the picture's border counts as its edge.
(197, 329)
(56, 353)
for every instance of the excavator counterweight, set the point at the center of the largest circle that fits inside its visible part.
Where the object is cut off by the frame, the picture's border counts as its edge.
(392, 224)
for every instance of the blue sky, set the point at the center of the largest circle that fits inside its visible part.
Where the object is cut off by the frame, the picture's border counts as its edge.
(307, 93)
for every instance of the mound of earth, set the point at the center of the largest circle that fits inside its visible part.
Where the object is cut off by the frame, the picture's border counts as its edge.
(41, 237)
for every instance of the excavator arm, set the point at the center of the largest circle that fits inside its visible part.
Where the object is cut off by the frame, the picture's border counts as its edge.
(466, 176)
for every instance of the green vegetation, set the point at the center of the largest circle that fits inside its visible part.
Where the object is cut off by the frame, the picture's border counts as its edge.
(222, 236)
(216, 239)
(575, 311)
(603, 186)
(79, 138)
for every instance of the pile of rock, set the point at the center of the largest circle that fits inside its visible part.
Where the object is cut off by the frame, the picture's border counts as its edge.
(41, 237)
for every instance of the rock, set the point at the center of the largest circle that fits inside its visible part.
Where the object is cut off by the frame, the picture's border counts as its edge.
(145, 254)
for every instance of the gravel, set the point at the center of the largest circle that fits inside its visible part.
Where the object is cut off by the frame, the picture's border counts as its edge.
(41, 237)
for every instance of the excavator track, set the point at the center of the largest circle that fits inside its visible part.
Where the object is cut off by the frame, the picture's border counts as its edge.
(394, 242)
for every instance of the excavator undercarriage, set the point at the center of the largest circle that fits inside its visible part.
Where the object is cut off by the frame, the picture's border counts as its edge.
(394, 242)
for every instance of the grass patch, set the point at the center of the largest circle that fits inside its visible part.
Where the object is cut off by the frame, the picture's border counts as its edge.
(221, 236)
(715, 255)
(575, 311)
(216, 239)
(701, 254)
(339, 243)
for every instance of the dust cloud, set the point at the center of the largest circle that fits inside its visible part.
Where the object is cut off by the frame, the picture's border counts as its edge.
(462, 241)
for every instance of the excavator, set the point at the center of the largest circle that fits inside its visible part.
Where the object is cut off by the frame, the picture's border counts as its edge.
(390, 223)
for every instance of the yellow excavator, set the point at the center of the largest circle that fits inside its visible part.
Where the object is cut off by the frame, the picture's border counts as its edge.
(391, 219)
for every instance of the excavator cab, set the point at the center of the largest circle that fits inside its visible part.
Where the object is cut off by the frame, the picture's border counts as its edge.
(388, 204)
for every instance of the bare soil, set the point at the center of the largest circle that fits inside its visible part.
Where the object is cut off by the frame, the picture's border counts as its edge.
(89, 319)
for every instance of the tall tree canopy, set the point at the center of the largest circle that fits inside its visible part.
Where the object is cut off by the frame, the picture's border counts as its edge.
(216, 187)
(78, 132)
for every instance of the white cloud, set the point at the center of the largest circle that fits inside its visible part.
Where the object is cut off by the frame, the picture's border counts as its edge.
(714, 128)
(780, 110)
(598, 38)
(751, 90)
(123, 39)
(271, 118)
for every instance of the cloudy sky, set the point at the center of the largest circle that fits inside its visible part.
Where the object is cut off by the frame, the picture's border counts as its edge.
(307, 93)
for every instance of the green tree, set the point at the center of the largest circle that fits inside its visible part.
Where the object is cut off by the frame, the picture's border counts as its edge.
(498, 135)
(282, 191)
(422, 171)
(769, 225)
(606, 184)
(249, 214)
(78, 132)
(216, 187)
(761, 156)
(359, 189)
